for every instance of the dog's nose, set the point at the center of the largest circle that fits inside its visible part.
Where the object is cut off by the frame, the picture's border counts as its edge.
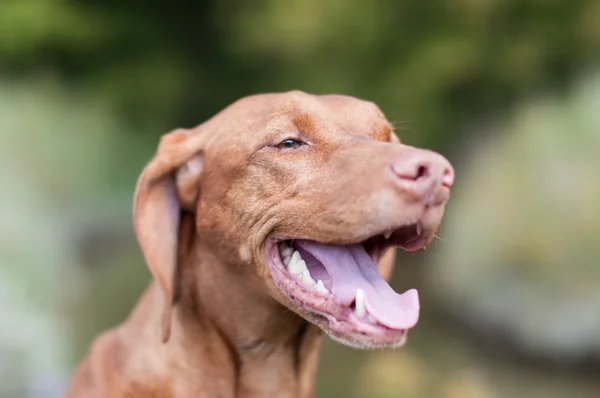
(424, 175)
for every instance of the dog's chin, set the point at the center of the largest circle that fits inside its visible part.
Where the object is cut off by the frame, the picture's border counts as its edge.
(347, 300)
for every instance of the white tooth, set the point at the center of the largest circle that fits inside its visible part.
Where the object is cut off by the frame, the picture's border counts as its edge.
(306, 278)
(418, 228)
(286, 251)
(360, 303)
(387, 234)
(321, 287)
(293, 258)
(286, 260)
(296, 265)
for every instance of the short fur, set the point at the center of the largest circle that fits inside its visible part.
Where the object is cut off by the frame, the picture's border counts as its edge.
(213, 324)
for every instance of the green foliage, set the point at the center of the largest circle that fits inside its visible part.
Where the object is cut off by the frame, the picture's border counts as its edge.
(66, 235)
(431, 66)
(32, 27)
(524, 228)
(47, 201)
(103, 79)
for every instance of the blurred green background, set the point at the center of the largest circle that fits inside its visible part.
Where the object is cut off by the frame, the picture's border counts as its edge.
(508, 90)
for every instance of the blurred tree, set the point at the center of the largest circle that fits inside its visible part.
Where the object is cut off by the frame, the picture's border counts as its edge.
(431, 66)
(69, 263)
(522, 262)
(129, 71)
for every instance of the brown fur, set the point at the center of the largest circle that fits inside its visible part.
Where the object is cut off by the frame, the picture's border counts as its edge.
(214, 324)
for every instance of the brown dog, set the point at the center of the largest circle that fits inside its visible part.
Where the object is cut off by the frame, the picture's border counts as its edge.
(263, 227)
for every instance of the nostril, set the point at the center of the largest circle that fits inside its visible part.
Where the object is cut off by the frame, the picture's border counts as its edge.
(422, 172)
(411, 172)
(448, 177)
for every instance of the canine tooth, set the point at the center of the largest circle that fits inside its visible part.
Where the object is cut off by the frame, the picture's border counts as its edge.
(321, 287)
(306, 278)
(387, 234)
(297, 268)
(418, 228)
(360, 303)
(296, 265)
(294, 258)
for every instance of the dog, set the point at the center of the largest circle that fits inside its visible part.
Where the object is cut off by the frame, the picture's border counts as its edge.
(269, 225)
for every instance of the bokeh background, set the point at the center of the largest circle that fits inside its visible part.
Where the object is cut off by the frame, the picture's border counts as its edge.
(508, 90)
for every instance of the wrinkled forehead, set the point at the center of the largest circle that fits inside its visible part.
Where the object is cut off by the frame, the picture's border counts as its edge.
(315, 116)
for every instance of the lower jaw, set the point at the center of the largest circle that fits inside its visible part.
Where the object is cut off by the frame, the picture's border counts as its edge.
(345, 334)
(335, 319)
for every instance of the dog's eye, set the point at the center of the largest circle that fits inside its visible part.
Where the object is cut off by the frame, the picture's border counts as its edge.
(290, 144)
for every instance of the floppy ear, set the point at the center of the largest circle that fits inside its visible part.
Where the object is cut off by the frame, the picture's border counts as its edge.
(167, 189)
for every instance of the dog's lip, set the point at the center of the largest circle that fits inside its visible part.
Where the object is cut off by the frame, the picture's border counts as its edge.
(416, 241)
(410, 237)
(340, 318)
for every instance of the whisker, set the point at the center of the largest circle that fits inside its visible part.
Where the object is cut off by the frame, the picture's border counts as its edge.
(440, 238)
(404, 125)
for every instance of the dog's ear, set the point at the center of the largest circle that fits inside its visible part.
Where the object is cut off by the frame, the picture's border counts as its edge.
(164, 207)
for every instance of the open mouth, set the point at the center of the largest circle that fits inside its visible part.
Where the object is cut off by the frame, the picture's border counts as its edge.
(339, 287)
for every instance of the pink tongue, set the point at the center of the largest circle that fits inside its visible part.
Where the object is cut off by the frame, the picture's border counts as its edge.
(351, 268)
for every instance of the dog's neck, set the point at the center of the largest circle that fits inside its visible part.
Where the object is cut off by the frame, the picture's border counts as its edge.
(226, 336)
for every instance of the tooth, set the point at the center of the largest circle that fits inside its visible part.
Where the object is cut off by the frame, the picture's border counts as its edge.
(418, 228)
(387, 234)
(294, 258)
(360, 303)
(296, 265)
(286, 251)
(296, 268)
(306, 278)
(321, 287)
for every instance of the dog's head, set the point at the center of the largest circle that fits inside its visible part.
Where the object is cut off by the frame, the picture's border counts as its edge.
(309, 194)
